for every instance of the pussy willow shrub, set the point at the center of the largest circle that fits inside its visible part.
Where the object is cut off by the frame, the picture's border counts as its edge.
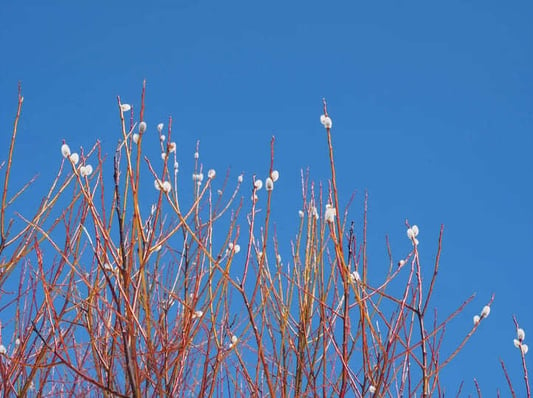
(109, 290)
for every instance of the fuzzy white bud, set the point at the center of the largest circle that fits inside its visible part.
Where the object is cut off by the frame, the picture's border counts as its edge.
(136, 138)
(269, 184)
(326, 121)
(520, 334)
(355, 277)
(274, 175)
(86, 171)
(74, 158)
(412, 232)
(485, 311)
(160, 127)
(198, 177)
(476, 319)
(65, 150)
(142, 127)
(211, 174)
(125, 107)
(258, 184)
(331, 212)
(166, 187)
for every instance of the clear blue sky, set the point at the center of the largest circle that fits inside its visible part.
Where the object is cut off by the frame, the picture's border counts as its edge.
(431, 105)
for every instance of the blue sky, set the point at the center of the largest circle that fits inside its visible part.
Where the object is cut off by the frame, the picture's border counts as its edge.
(431, 105)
